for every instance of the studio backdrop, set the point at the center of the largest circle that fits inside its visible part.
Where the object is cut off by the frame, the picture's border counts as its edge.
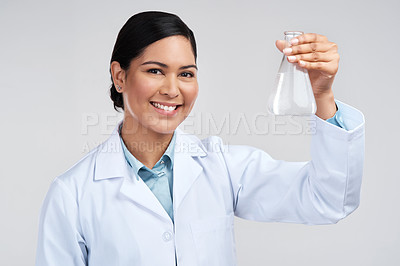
(55, 108)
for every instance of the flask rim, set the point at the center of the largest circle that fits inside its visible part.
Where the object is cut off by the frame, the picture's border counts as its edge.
(293, 33)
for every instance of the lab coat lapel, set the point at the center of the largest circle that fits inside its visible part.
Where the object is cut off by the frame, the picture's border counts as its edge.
(111, 163)
(186, 169)
(139, 193)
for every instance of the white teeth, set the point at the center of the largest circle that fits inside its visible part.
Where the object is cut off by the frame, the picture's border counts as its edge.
(165, 108)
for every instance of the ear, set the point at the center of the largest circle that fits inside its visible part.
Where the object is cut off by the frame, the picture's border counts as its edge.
(118, 75)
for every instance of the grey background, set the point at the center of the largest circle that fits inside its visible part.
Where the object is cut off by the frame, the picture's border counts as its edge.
(54, 74)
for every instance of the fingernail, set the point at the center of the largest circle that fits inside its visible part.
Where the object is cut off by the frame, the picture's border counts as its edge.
(292, 58)
(294, 41)
(287, 51)
(302, 63)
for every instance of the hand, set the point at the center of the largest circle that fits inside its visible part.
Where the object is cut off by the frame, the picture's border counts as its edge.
(320, 57)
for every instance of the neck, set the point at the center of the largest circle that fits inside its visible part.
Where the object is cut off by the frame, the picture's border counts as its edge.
(146, 145)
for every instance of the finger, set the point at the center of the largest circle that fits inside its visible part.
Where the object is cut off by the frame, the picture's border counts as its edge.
(314, 57)
(308, 38)
(327, 67)
(311, 48)
(280, 44)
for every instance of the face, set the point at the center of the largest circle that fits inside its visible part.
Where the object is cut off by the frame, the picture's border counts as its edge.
(160, 87)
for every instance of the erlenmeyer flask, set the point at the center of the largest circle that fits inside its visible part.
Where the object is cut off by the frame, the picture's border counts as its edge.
(292, 94)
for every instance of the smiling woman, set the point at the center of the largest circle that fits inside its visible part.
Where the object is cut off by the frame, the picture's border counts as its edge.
(140, 31)
(155, 83)
(156, 90)
(153, 195)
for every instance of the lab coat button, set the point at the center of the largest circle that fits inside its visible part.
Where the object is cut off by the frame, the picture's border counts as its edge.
(167, 236)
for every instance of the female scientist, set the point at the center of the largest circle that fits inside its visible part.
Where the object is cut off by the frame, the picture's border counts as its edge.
(151, 195)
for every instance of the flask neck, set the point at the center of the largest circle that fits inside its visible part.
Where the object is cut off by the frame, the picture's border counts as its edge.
(289, 35)
(286, 66)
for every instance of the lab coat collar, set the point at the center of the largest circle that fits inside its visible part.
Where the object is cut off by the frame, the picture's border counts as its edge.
(110, 160)
(111, 163)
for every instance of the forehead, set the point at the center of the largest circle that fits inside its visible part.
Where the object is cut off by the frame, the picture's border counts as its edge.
(170, 50)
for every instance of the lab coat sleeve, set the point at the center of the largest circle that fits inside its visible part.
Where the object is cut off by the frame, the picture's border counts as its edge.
(60, 242)
(321, 191)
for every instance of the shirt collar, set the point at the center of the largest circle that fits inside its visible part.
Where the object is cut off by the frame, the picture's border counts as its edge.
(137, 165)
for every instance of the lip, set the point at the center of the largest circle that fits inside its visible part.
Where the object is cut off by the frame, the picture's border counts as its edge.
(166, 104)
(166, 113)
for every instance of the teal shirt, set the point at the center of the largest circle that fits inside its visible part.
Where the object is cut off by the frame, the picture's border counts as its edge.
(159, 178)
(337, 119)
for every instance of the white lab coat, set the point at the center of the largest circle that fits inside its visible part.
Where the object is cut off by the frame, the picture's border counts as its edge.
(97, 213)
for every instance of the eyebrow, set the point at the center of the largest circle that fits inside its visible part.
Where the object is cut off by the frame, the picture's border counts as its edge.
(166, 66)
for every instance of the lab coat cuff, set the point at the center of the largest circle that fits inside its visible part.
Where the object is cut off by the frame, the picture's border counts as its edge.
(350, 117)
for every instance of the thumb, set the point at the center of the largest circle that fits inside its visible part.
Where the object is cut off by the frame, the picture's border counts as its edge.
(280, 44)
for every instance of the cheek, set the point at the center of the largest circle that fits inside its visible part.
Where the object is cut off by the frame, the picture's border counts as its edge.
(141, 89)
(190, 93)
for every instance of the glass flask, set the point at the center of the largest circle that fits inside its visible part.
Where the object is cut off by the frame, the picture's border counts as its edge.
(292, 94)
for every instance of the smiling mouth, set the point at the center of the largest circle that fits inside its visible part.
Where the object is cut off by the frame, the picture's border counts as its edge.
(165, 107)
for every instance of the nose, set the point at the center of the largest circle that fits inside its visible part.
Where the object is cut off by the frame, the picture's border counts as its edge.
(170, 87)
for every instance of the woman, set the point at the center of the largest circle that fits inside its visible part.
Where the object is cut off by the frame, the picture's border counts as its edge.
(153, 195)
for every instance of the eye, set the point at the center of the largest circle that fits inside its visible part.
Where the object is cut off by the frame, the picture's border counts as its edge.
(187, 75)
(155, 71)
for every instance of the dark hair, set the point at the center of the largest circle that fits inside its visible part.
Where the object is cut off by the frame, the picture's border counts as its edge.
(140, 31)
